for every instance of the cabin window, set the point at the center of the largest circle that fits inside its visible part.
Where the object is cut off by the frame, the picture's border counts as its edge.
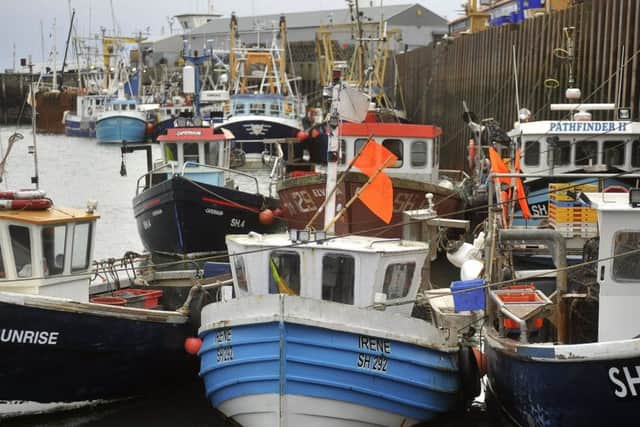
(132, 107)
(97, 102)
(635, 153)
(613, 153)
(80, 250)
(343, 152)
(284, 273)
(395, 146)
(338, 278)
(256, 109)
(559, 153)
(21, 245)
(532, 153)
(626, 267)
(241, 272)
(358, 145)
(53, 244)
(586, 152)
(190, 152)
(397, 280)
(238, 109)
(436, 153)
(171, 151)
(211, 153)
(418, 153)
(274, 109)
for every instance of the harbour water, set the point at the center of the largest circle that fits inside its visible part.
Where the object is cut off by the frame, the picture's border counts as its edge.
(74, 170)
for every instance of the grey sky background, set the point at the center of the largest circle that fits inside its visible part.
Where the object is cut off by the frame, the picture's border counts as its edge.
(21, 19)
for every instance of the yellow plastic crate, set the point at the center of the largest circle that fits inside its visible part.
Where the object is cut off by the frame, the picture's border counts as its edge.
(572, 214)
(558, 191)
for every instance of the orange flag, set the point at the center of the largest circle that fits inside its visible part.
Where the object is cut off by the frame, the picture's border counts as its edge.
(378, 195)
(522, 197)
(498, 166)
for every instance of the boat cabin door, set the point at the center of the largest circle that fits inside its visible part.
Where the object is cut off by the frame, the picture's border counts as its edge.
(619, 273)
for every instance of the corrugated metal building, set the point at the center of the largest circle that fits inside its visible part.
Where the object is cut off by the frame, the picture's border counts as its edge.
(419, 27)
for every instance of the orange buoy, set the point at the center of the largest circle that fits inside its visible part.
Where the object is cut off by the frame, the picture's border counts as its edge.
(149, 128)
(266, 217)
(315, 133)
(302, 135)
(277, 212)
(192, 345)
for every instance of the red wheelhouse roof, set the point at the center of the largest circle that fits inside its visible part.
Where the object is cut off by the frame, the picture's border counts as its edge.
(389, 130)
(190, 134)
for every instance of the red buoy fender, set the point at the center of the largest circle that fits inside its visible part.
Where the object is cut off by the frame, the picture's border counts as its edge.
(192, 345)
(27, 204)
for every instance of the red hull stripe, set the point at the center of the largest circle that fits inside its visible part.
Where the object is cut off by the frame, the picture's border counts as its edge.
(230, 204)
(151, 203)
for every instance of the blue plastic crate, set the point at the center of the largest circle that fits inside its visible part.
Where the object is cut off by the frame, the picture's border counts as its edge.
(212, 269)
(471, 299)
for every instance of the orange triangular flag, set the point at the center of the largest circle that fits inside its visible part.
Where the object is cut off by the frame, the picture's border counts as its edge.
(378, 194)
(498, 166)
(372, 156)
(522, 197)
(378, 197)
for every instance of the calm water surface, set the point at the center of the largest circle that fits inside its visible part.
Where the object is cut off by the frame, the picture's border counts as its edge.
(74, 170)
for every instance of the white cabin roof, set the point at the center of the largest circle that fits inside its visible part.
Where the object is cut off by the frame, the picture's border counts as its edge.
(363, 244)
(612, 202)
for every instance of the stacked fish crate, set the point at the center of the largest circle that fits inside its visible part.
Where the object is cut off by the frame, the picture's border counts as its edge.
(568, 216)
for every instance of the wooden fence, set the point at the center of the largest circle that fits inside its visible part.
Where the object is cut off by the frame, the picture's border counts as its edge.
(479, 69)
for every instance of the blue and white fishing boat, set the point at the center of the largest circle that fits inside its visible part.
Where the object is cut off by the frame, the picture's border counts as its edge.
(121, 121)
(82, 122)
(309, 338)
(586, 336)
(264, 104)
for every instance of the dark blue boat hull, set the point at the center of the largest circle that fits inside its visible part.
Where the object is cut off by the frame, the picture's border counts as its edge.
(570, 393)
(178, 217)
(79, 357)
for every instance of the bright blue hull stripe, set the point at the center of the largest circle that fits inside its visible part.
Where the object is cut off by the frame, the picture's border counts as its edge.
(118, 129)
(316, 362)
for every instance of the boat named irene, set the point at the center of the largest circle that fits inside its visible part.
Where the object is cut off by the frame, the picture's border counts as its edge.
(309, 339)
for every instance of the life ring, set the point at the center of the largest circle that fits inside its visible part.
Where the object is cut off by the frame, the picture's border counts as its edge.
(26, 204)
(615, 189)
(25, 199)
(90, 111)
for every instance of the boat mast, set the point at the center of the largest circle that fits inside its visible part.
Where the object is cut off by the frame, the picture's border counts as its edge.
(283, 55)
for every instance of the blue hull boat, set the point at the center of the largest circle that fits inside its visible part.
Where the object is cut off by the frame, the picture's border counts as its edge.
(76, 128)
(115, 129)
(303, 367)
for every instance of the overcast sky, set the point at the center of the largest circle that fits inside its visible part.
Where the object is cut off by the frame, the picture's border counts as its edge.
(22, 19)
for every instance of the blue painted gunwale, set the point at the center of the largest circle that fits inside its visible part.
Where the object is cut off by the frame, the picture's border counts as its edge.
(318, 362)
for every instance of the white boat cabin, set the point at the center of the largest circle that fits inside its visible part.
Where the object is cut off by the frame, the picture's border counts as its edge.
(618, 273)
(196, 153)
(417, 147)
(47, 252)
(556, 147)
(88, 106)
(348, 270)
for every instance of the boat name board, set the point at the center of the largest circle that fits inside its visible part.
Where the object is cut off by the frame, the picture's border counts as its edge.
(375, 362)
(309, 201)
(26, 336)
(577, 127)
(191, 132)
(224, 353)
(625, 381)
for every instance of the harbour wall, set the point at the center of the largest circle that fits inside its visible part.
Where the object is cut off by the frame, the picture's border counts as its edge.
(478, 68)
